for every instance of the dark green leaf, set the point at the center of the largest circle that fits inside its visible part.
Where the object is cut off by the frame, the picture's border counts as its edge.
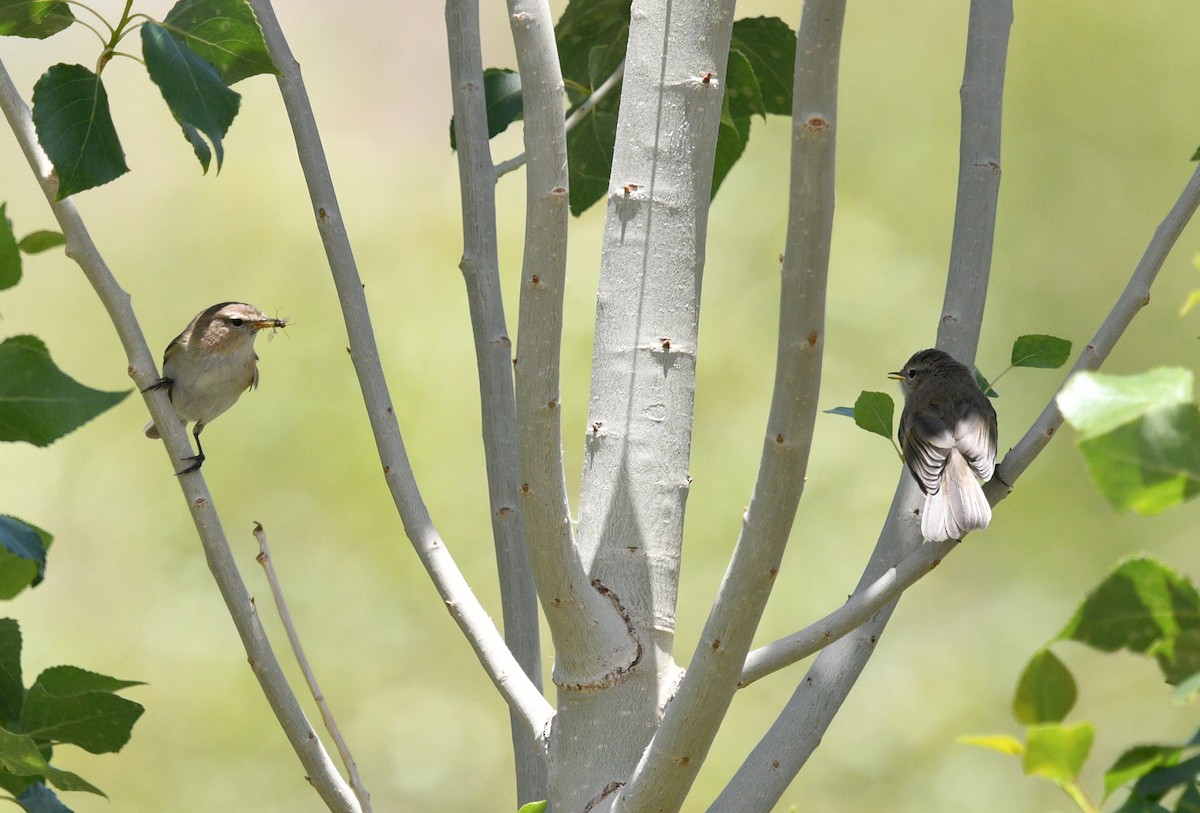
(743, 93)
(1189, 800)
(1048, 352)
(38, 402)
(1046, 691)
(1160, 781)
(38, 241)
(847, 411)
(590, 147)
(1151, 464)
(20, 755)
(1136, 763)
(769, 45)
(224, 33)
(874, 411)
(193, 89)
(1147, 608)
(502, 91)
(38, 798)
(1095, 403)
(10, 256)
(985, 385)
(1057, 752)
(732, 139)
(69, 704)
(75, 128)
(592, 39)
(1138, 804)
(12, 687)
(23, 562)
(36, 19)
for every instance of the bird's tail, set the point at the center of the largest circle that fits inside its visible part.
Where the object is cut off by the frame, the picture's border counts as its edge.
(151, 430)
(958, 506)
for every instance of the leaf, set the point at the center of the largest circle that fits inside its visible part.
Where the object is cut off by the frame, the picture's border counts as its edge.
(847, 411)
(590, 149)
(1095, 403)
(742, 99)
(1192, 301)
(534, 807)
(35, 19)
(75, 128)
(69, 704)
(1057, 752)
(23, 556)
(38, 241)
(20, 754)
(38, 798)
(984, 385)
(12, 688)
(1189, 800)
(10, 256)
(1046, 691)
(1144, 607)
(1157, 783)
(996, 742)
(1048, 352)
(224, 33)
(743, 94)
(769, 45)
(874, 411)
(1136, 763)
(192, 87)
(38, 402)
(502, 94)
(1151, 464)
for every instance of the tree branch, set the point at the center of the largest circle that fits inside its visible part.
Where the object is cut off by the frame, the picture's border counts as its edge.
(493, 352)
(310, 677)
(798, 730)
(504, 670)
(80, 247)
(682, 741)
(578, 115)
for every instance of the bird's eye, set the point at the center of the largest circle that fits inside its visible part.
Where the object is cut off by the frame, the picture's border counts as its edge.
(912, 372)
(236, 322)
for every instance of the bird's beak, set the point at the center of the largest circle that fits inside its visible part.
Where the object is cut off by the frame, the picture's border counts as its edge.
(898, 376)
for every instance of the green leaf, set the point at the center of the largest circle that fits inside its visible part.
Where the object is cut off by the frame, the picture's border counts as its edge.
(10, 256)
(1046, 691)
(1136, 763)
(20, 755)
(69, 704)
(12, 687)
(1189, 800)
(590, 149)
(75, 128)
(874, 411)
(38, 798)
(1048, 352)
(742, 99)
(1095, 403)
(984, 385)
(38, 241)
(38, 402)
(846, 411)
(534, 807)
(36, 19)
(192, 87)
(769, 45)
(224, 33)
(996, 742)
(743, 94)
(1144, 607)
(502, 94)
(22, 556)
(1160, 781)
(1057, 752)
(1151, 464)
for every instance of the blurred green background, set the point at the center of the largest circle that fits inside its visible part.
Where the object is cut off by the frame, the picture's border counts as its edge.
(1101, 116)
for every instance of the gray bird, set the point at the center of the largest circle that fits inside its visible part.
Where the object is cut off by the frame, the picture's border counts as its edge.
(948, 436)
(208, 366)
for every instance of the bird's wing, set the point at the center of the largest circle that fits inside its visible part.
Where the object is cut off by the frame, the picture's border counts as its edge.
(926, 446)
(975, 437)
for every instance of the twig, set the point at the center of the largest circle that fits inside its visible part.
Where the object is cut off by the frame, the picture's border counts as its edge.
(264, 559)
(80, 247)
(577, 115)
(498, 662)
(480, 268)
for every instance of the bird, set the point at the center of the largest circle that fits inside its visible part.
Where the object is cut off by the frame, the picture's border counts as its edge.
(948, 437)
(208, 366)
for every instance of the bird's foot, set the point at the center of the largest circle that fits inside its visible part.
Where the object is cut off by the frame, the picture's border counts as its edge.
(196, 462)
(160, 383)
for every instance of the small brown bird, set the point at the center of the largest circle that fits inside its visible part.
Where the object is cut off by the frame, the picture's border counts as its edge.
(948, 436)
(208, 366)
